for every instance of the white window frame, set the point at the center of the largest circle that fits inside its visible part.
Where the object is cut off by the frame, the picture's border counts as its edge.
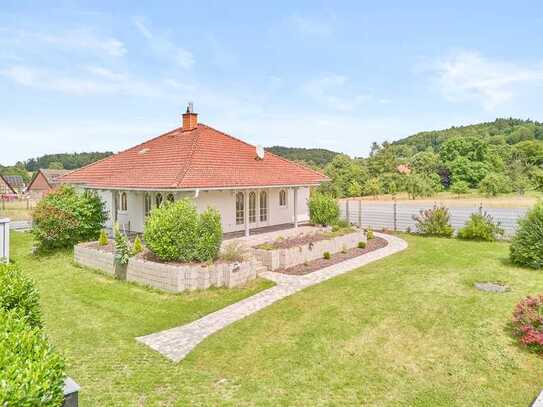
(147, 203)
(263, 209)
(240, 208)
(283, 198)
(252, 207)
(124, 202)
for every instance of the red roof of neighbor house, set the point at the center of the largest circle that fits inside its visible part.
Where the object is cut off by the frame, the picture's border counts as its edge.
(199, 158)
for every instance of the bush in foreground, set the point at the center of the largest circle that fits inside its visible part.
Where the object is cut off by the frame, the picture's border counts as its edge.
(323, 209)
(31, 372)
(481, 226)
(527, 245)
(434, 222)
(17, 294)
(65, 217)
(176, 232)
(528, 323)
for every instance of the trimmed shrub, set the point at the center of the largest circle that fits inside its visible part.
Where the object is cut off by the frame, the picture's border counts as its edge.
(434, 222)
(176, 232)
(480, 227)
(323, 209)
(326, 255)
(31, 372)
(209, 240)
(369, 234)
(103, 239)
(138, 246)
(122, 249)
(527, 322)
(527, 245)
(361, 245)
(64, 218)
(17, 294)
(494, 184)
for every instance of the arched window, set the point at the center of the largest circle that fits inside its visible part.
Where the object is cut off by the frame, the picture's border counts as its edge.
(147, 203)
(282, 198)
(124, 202)
(252, 207)
(240, 208)
(170, 198)
(263, 206)
(158, 200)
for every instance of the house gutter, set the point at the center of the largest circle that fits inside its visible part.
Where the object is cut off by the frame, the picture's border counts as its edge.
(195, 189)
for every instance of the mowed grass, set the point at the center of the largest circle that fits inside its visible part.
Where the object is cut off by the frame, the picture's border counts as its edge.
(407, 330)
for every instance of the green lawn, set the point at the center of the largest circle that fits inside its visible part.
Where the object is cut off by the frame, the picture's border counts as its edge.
(408, 330)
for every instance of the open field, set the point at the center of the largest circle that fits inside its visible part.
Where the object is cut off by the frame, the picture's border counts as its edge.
(473, 199)
(17, 210)
(407, 330)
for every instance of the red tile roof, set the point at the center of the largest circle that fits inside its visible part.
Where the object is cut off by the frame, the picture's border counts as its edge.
(188, 159)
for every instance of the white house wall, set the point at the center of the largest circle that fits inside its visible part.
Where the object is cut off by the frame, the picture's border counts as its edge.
(224, 201)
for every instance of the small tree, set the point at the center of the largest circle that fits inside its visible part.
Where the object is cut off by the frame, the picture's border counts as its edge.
(494, 184)
(527, 245)
(137, 247)
(419, 186)
(323, 209)
(103, 239)
(373, 187)
(122, 250)
(434, 222)
(460, 187)
(354, 189)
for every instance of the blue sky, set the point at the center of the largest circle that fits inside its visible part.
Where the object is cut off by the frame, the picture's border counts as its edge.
(82, 76)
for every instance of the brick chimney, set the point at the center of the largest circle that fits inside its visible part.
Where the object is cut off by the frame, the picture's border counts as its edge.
(190, 119)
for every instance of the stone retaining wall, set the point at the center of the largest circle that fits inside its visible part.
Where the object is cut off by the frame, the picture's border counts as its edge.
(170, 277)
(285, 258)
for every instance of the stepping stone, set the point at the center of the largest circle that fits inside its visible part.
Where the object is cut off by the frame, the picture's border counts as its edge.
(492, 287)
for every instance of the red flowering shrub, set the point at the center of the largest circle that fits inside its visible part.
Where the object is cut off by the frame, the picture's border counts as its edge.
(528, 322)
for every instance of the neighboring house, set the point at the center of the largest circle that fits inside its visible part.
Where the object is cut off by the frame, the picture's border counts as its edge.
(44, 181)
(16, 183)
(251, 188)
(5, 187)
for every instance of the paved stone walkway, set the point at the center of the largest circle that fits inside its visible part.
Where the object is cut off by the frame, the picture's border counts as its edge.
(176, 343)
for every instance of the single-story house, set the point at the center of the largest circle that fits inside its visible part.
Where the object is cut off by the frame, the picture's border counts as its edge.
(250, 187)
(44, 181)
(16, 182)
(5, 187)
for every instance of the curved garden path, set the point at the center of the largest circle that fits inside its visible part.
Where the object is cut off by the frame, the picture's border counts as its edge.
(176, 343)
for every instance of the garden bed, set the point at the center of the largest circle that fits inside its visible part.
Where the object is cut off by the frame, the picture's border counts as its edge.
(309, 267)
(283, 254)
(173, 277)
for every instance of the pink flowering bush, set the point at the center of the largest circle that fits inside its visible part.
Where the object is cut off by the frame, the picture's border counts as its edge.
(528, 322)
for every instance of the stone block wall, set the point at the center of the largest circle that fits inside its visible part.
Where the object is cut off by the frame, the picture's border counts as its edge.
(171, 277)
(285, 258)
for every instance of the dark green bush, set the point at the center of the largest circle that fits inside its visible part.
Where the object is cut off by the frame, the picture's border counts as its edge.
(327, 256)
(176, 232)
(31, 372)
(434, 222)
(65, 217)
(481, 226)
(323, 209)
(527, 245)
(17, 294)
(361, 245)
(209, 235)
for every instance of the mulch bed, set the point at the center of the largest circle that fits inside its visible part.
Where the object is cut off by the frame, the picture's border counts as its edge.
(309, 267)
(109, 248)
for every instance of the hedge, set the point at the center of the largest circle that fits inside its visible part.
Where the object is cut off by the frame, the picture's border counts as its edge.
(17, 293)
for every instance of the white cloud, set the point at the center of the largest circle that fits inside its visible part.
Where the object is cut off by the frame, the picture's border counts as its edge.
(163, 46)
(468, 75)
(331, 90)
(76, 40)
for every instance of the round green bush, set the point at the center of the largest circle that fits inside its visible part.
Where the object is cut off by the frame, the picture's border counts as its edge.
(434, 222)
(65, 217)
(209, 235)
(361, 245)
(31, 372)
(17, 294)
(480, 226)
(326, 256)
(527, 245)
(323, 209)
(176, 232)
(494, 184)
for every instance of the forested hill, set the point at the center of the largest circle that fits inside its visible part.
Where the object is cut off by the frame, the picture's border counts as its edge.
(499, 132)
(67, 161)
(313, 156)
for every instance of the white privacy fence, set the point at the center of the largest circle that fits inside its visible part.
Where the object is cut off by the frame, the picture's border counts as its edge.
(4, 240)
(399, 216)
